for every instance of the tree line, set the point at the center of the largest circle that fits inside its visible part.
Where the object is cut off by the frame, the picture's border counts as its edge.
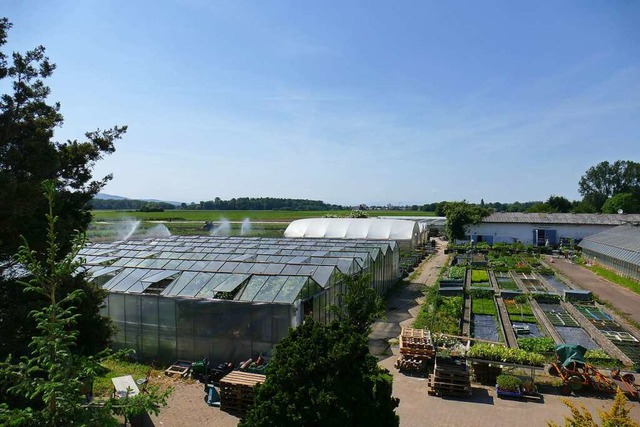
(261, 204)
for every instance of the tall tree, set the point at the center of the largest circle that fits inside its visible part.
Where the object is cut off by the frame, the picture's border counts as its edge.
(46, 388)
(28, 156)
(608, 179)
(460, 215)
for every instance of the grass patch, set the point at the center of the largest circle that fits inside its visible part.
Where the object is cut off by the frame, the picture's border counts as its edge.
(263, 215)
(484, 306)
(616, 278)
(116, 367)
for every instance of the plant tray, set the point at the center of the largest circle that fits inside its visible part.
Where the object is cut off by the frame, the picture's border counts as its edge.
(506, 393)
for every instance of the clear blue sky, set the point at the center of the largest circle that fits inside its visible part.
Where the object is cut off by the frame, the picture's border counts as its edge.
(347, 102)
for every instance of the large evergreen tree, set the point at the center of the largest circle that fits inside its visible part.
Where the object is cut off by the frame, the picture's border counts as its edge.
(29, 155)
(324, 376)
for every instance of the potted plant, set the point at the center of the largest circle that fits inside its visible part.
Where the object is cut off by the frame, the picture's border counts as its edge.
(508, 385)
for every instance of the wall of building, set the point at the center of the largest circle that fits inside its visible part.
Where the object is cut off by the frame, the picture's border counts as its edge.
(524, 233)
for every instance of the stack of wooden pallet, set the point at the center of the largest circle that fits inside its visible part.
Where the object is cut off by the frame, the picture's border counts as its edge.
(416, 348)
(450, 378)
(237, 391)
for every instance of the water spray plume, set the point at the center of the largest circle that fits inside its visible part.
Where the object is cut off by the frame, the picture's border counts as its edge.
(246, 227)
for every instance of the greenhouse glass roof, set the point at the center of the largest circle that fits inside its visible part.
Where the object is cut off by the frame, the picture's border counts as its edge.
(621, 243)
(250, 269)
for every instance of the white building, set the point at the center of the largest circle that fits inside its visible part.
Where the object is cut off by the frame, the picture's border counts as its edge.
(538, 228)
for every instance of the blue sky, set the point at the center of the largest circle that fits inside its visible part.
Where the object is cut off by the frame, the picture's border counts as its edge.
(347, 102)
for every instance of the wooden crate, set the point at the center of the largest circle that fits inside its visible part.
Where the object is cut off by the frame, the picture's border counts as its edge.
(237, 391)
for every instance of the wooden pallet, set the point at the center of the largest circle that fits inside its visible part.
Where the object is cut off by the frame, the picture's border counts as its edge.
(237, 390)
(450, 378)
(179, 367)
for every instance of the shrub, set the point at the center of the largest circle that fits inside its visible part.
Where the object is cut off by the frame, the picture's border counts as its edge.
(508, 382)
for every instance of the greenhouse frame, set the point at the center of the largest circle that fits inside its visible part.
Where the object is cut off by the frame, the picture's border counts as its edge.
(226, 298)
(617, 248)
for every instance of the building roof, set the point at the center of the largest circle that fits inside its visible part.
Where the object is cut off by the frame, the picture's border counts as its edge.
(561, 218)
(268, 270)
(354, 228)
(622, 242)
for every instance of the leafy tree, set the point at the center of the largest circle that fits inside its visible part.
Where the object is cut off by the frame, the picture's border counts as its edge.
(47, 387)
(617, 416)
(628, 202)
(361, 304)
(29, 156)
(608, 179)
(324, 376)
(559, 204)
(460, 215)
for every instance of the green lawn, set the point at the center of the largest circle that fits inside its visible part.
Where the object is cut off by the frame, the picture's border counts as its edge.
(615, 278)
(116, 368)
(186, 215)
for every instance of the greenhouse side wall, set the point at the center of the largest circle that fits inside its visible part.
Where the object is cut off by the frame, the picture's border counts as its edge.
(164, 329)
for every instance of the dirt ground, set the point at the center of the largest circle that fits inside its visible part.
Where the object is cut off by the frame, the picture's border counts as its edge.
(187, 406)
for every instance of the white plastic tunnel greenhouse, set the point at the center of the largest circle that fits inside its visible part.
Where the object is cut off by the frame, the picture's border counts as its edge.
(406, 233)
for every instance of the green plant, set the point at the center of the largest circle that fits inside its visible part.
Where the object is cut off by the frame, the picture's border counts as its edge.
(537, 345)
(483, 306)
(508, 382)
(457, 272)
(479, 276)
(619, 415)
(504, 354)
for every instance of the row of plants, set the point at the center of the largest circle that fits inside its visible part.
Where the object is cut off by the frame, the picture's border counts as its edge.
(457, 272)
(483, 306)
(503, 354)
(440, 313)
(479, 276)
(519, 310)
(537, 345)
(598, 357)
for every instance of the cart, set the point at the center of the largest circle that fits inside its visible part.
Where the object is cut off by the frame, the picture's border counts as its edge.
(577, 374)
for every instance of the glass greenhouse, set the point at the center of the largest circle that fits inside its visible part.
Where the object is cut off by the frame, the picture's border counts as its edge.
(226, 298)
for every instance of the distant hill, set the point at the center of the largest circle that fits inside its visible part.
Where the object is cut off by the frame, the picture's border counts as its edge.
(110, 201)
(104, 196)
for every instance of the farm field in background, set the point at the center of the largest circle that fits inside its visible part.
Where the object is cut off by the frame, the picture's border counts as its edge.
(263, 215)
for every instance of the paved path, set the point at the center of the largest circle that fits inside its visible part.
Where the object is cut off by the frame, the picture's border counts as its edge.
(622, 298)
(404, 305)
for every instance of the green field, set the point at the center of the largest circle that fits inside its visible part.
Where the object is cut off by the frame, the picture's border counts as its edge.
(285, 216)
(109, 225)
